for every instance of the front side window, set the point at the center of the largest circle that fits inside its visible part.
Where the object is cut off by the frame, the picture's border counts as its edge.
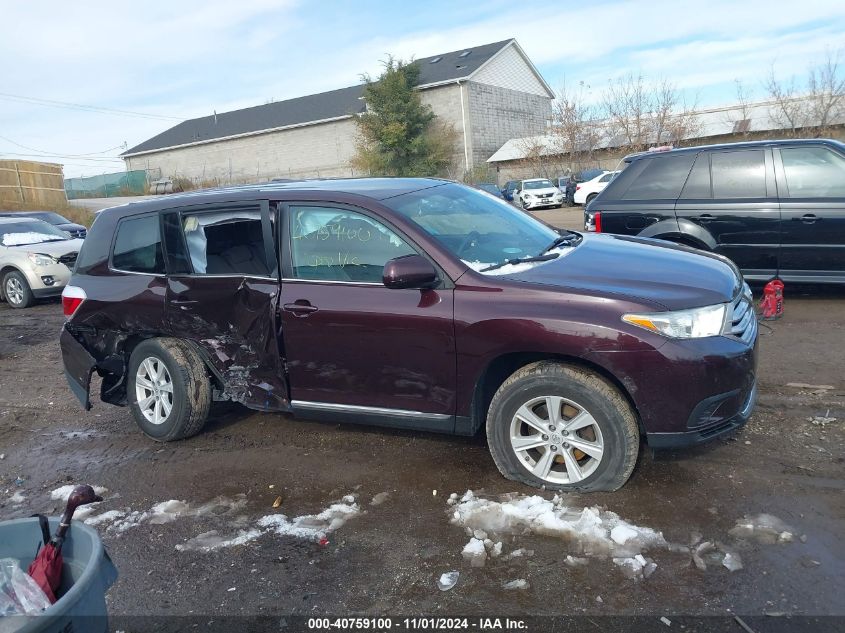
(739, 174)
(137, 246)
(480, 230)
(227, 242)
(334, 244)
(813, 172)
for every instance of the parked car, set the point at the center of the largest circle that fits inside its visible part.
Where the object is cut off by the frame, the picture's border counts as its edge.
(509, 188)
(586, 191)
(413, 303)
(75, 230)
(490, 188)
(776, 208)
(35, 260)
(579, 177)
(536, 193)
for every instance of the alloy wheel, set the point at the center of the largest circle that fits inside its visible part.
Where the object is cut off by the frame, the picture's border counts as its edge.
(14, 290)
(556, 440)
(154, 390)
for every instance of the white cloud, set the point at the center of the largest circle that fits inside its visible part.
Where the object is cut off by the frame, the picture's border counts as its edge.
(187, 59)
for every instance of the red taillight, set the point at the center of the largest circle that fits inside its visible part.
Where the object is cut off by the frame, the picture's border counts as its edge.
(577, 187)
(72, 298)
(597, 221)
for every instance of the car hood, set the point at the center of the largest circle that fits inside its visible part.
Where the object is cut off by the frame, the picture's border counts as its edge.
(667, 275)
(57, 249)
(70, 226)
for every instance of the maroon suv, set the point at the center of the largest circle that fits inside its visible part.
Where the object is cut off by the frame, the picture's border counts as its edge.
(413, 303)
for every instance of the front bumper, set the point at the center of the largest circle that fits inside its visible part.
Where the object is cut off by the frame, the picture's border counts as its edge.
(689, 391)
(543, 202)
(38, 278)
(705, 432)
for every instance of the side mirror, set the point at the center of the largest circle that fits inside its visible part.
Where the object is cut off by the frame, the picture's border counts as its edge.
(410, 271)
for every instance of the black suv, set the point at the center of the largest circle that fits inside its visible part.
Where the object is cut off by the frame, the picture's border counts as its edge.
(776, 208)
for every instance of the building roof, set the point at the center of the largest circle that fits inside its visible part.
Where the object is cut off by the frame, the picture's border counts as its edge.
(317, 108)
(754, 117)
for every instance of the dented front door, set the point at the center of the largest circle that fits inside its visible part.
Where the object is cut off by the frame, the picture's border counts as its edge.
(224, 302)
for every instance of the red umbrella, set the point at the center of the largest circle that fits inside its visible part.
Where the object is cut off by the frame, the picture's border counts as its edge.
(46, 569)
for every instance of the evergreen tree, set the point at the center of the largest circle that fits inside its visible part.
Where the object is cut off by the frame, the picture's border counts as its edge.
(399, 135)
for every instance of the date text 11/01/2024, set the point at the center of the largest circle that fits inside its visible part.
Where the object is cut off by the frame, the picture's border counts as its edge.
(416, 624)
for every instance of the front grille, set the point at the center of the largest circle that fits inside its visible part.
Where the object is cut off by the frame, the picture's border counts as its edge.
(68, 260)
(545, 195)
(743, 320)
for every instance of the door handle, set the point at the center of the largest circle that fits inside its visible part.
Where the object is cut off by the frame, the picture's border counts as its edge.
(706, 217)
(807, 218)
(300, 308)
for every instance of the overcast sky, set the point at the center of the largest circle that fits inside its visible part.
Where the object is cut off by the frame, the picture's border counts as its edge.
(178, 60)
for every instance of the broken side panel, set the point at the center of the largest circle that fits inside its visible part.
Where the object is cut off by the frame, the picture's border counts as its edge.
(232, 321)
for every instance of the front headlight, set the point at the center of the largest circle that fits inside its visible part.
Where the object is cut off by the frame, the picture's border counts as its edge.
(39, 259)
(695, 323)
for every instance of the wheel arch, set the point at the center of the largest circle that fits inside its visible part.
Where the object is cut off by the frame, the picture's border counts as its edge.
(8, 268)
(503, 366)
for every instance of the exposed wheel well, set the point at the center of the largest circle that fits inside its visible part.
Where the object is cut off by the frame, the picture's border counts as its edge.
(503, 366)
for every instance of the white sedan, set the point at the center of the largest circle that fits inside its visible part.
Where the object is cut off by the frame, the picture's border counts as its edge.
(537, 192)
(586, 191)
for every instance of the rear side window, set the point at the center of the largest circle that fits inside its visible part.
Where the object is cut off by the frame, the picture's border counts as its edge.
(698, 183)
(813, 172)
(661, 179)
(137, 247)
(739, 174)
(227, 242)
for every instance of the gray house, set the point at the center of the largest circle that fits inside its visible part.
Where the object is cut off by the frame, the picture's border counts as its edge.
(490, 94)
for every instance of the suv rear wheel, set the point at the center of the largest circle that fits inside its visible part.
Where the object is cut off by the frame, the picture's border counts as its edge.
(563, 428)
(17, 290)
(168, 389)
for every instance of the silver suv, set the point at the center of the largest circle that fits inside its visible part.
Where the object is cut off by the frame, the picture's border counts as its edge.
(35, 260)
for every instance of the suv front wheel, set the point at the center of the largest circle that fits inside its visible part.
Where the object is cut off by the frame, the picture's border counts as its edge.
(563, 428)
(168, 389)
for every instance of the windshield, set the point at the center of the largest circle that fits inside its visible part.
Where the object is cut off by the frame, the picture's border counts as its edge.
(47, 216)
(29, 232)
(481, 230)
(537, 184)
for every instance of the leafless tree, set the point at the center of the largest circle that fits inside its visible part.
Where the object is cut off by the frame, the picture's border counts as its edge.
(740, 116)
(825, 93)
(574, 130)
(790, 112)
(628, 105)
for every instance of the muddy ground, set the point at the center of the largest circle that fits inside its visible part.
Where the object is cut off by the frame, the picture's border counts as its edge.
(387, 560)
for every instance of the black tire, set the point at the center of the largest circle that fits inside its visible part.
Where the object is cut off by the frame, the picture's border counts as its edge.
(27, 298)
(610, 411)
(191, 395)
(590, 198)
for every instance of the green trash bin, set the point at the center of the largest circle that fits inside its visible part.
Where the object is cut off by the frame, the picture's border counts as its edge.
(86, 576)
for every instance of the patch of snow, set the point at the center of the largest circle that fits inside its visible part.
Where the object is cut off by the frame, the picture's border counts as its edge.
(448, 580)
(519, 583)
(168, 511)
(764, 528)
(379, 498)
(61, 494)
(105, 517)
(85, 511)
(210, 541)
(587, 530)
(27, 237)
(474, 552)
(575, 561)
(621, 533)
(17, 498)
(312, 527)
(732, 561)
(517, 553)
